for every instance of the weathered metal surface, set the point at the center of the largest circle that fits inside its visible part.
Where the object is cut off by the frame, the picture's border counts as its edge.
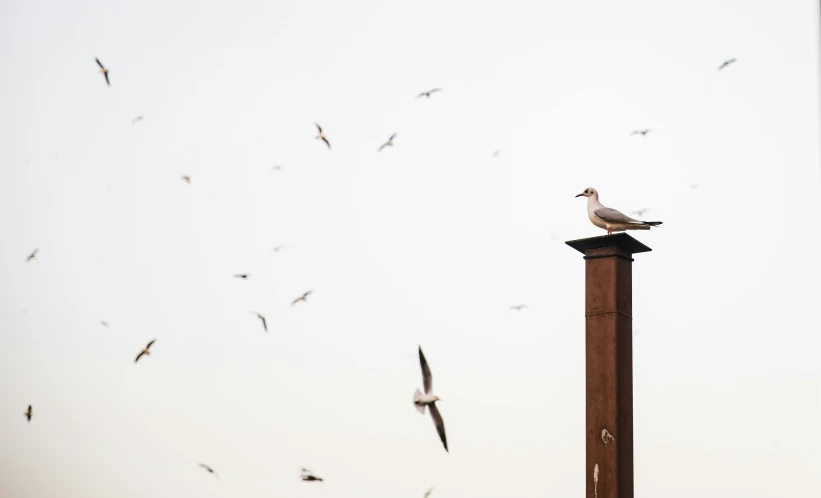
(609, 363)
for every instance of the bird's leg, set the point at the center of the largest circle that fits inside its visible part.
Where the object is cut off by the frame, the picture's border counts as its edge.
(609, 232)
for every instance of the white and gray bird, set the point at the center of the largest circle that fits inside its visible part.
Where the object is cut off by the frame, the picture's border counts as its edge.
(303, 297)
(321, 136)
(145, 351)
(103, 70)
(308, 475)
(389, 143)
(33, 255)
(209, 469)
(726, 63)
(639, 212)
(427, 94)
(518, 307)
(428, 399)
(428, 492)
(610, 219)
(643, 132)
(262, 319)
(136, 120)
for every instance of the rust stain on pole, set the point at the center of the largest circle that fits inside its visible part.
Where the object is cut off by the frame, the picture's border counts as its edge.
(609, 362)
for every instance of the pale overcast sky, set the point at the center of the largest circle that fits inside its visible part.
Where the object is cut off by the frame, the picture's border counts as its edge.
(428, 242)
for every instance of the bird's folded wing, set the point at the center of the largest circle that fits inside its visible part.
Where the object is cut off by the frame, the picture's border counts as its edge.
(612, 216)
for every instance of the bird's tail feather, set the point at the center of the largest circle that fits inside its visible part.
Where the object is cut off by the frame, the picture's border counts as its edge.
(416, 397)
(652, 223)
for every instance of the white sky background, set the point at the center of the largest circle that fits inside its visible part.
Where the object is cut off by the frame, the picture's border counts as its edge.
(426, 243)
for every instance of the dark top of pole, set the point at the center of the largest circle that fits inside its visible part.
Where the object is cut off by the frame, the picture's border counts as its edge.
(622, 240)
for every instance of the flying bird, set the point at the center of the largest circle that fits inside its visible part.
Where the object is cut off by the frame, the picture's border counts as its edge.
(303, 297)
(242, 275)
(33, 255)
(321, 136)
(496, 153)
(135, 120)
(610, 219)
(104, 323)
(279, 247)
(606, 437)
(429, 399)
(307, 475)
(640, 212)
(28, 413)
(389, 143)
(726, 63)
(209, 469)
(186, 179)
(264, 323)
(518, 307)
(427, 94)
(643, 132)
(145, 351)
(428, 492)
(103, 70)
(276, 167)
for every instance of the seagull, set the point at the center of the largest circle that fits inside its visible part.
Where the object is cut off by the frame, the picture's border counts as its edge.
(321, 136)
(303, 297)
(209, 469)
(389, 143)
(427, 94)
(518, 307)
(264, 323)
(428, 492)
(429, 399)
(640, 212)
(643, 132)
(138, 118)
(726, 63)
(27, 414)
(104, 323)
(242, 275)
(307, 475)
(145, 351)
(610, 219)
(606, 437)
(103, 70)
(33, 255)
(186, 179)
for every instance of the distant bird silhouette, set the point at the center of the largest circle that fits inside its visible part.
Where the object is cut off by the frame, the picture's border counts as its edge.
(276, 167)
(33, 255)
(103, 70)
(135, 120)
(389, 143)
(104, 323)
(643, 132)
(209, 469)
(428, 93)
(242, 275)
(28, 414)
(145, 351)
(186, 179)
(262, 318)
(496, 153)
(303, 297)
(428, 399)
(726, 63)
(307, 475)
(279, 247)
(321, 136)
(518, 307)
(640, 212)
(428, 492)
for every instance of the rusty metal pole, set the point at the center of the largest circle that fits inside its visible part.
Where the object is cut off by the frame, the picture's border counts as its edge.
(609, 362)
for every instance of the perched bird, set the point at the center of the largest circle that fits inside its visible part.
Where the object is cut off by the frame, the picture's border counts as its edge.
(726, 63)
(104, 323)
(389, 143)
(242, 275)
(33, 255)
(145, 351)
(518, 307)
(27, 414)
(209, 469)
(321, 136)
(606, 437)
(429, 399)
(427, 94)
(639, 212)
(138, 118)
(186, 179)
(307, 475)
(428, 492)
(303, 297)
(643, 132)
(610, 219)
(264, 323)
(103, 70)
